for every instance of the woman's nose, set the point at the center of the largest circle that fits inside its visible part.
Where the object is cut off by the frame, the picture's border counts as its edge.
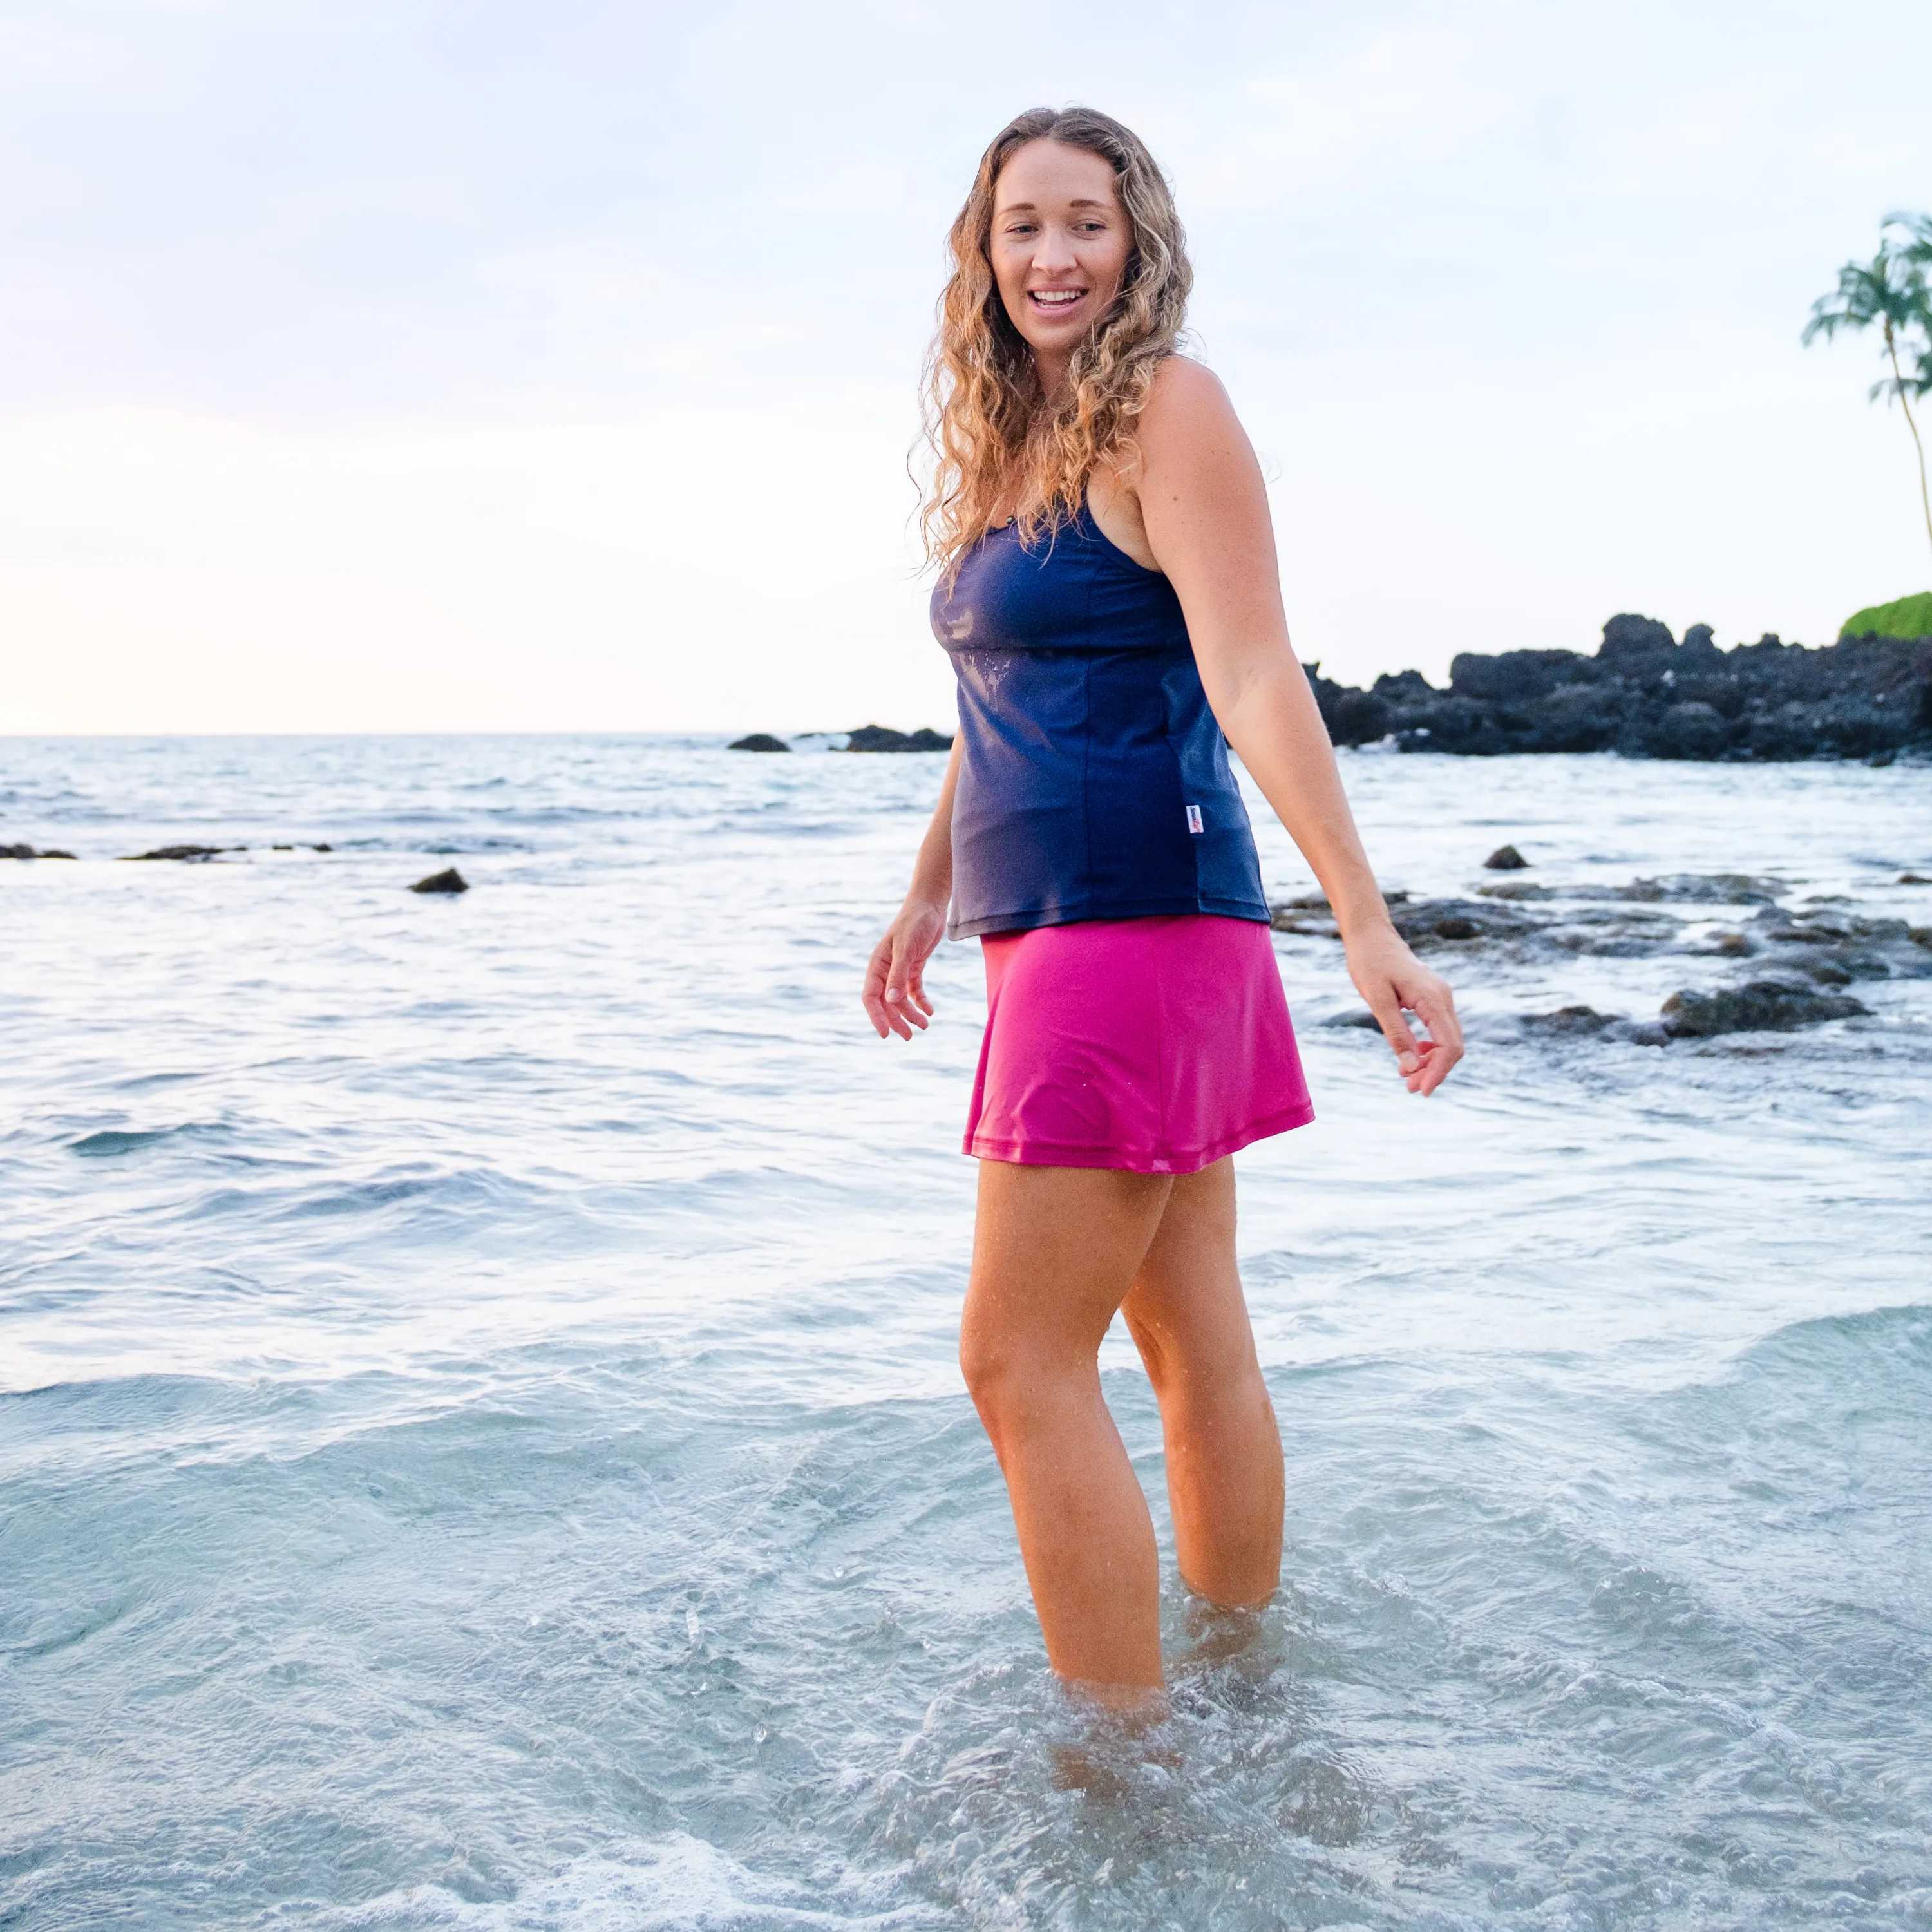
(1054, 250)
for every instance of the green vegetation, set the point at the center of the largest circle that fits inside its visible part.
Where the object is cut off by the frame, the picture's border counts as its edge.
(1909, 617)
(1892, 290)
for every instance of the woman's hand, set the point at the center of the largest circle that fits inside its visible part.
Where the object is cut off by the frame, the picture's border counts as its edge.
(1392, 979)
(895, 994)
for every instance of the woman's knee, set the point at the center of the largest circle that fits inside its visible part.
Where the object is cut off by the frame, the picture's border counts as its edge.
(985, 1360)
(1205, 1381)
(1012, 1373)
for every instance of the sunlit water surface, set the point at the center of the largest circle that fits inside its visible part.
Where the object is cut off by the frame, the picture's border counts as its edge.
(482, 1448)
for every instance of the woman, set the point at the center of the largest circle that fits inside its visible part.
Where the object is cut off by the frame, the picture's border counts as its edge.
(1109, 596)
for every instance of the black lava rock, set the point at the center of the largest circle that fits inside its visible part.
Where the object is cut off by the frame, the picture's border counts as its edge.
(185, 852)
(1567, 1021)
(1643, 695)
(1506, 858)
(1762, 1006)
(1698, 889)
(451, 881)
(1628, 638)
(880, 738)
(1822, 941)
(28, 852)
(1693, 730)
(758, 741)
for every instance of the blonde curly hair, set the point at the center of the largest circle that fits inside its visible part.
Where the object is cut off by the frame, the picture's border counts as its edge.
(986, 420)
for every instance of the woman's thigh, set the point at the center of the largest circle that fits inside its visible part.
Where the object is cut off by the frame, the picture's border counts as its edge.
(1185, 1307)
(1054, 1250)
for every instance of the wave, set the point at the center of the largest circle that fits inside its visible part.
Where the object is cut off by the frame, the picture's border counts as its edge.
(110, 1142)
(679, 1884)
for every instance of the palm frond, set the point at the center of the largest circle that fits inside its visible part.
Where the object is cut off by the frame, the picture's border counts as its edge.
(1919, 384)
(1918, 248)
(1891, 289)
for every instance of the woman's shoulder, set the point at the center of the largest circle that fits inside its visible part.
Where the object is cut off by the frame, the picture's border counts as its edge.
(1187, 408)
(1186, 399)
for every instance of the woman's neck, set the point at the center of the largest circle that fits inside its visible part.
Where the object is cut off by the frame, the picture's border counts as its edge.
(1050, 372)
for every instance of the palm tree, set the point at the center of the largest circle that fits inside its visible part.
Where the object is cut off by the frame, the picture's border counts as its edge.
(1918, 250)
(1892, 290)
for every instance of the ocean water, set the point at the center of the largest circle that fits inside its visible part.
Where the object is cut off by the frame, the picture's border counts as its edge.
(481, 1447)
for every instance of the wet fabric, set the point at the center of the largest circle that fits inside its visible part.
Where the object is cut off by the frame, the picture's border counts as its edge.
(1158, 1044)
(1094, 782)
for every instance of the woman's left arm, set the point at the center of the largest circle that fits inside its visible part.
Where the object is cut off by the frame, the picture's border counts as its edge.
(1205, 509)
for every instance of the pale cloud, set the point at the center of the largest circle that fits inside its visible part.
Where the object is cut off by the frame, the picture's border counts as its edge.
(165, 572)
(427, 364)
(1402, 99)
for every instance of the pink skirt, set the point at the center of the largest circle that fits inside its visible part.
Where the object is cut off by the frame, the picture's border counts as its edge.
(1158, 1045)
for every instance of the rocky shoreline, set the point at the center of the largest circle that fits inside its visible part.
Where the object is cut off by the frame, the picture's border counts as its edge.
(1644, 694)
(1789, 966)
(866, 738)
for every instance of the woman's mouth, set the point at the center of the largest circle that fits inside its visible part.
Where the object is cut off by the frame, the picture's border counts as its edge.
(1054, 301)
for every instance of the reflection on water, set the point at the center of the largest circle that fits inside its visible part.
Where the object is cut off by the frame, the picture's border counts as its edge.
(483, 1446)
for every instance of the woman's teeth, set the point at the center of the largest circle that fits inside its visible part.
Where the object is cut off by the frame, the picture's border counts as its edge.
(1056, 297)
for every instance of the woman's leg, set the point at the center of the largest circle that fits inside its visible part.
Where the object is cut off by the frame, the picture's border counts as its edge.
(1054, 1249)
(1224, 1462)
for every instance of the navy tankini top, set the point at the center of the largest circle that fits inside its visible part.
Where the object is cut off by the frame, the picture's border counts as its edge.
(1093, 780)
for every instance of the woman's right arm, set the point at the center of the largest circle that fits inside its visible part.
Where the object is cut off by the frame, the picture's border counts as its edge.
(894, 995)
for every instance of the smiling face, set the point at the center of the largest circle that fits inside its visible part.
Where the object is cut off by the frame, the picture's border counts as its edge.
(1060, 245)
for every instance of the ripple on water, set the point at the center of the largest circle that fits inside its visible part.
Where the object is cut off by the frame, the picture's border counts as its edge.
(594, 1601)
(493, 1455)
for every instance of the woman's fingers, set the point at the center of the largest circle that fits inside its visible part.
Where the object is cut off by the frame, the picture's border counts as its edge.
(878, 969)
(1393, 996)
(894, 995)
(1435, 1005)
(905, 992)
(1394, 985)
(908, 979)
(1386, 1005)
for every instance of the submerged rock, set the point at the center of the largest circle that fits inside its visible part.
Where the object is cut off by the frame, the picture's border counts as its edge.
(28, 852)
(1428, 922)
(1693, 888)
(1312, 916)
(1813, 948)
(449, 881)
(880, 738)
(758, 741)
(184, 852)
(1568, 1021)
(1644, 694)
(1823, 941)
(1762, 1006)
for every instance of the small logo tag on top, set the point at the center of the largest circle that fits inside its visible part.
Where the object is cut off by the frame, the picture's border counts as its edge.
(1194, 818)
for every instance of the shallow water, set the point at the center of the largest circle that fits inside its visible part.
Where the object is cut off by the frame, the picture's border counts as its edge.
(481, 1446)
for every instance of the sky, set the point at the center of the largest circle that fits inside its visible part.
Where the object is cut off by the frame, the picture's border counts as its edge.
(411, 365)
